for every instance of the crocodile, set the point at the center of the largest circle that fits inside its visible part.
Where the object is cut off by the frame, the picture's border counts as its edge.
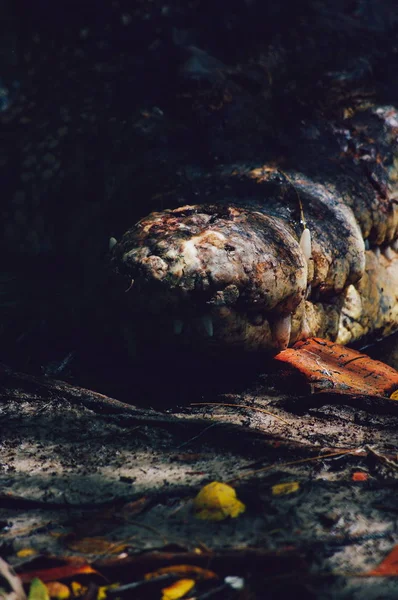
(284, 219)
(275, 254)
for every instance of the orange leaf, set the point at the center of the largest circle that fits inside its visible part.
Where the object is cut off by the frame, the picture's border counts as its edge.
(330, 367)
(360, 476)
(56, 573)
(388, 567)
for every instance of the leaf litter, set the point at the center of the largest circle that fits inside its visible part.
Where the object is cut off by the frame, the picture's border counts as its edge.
(298, 479)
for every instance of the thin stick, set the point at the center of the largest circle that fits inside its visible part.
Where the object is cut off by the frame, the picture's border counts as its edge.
(293, 462)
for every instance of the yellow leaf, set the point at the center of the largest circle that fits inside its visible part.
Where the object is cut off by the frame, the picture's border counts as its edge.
(178, 589)
(282, 489)
(217, 501)
(394, 395)
(58, 590)
(103, 590)
(26, 552)
(78, 589)
(38, 590)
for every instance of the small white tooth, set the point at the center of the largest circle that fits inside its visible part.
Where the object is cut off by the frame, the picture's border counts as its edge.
(281, 330)
(305, 244)
(367, 245)
(178, 326)
(395, 245)
(207, 322)
(388, 253)
(377, 252)
(112, 242)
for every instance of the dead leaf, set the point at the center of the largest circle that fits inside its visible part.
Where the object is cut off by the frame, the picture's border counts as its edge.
(67, 571)
(282, 489)
(217, 501)
(132, 509)
(178, 589)
(38, 591)
(103, 590)
(360, 476)
(26, 552)
(388, 567)
(78, 589)
(330, 367)
(58, 590)
(15, 590)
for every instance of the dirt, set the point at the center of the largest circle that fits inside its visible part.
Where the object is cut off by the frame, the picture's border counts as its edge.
(78, 465)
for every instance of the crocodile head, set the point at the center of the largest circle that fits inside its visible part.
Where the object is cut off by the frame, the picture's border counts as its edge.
(247, 276)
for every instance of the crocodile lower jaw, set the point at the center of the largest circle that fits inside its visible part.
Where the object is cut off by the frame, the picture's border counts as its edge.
(365, 310)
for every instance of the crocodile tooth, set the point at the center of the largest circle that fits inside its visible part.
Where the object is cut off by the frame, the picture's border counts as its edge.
(305, 244)
(395, 245)
(305, 327)
(178, 326)
(207, 322)
(367, 245)
(377, 252)
(112, 242)
(388, 253)
(281, 329)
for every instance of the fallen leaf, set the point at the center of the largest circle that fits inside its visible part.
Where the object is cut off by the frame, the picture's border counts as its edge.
(360, 476)
(394, 395)
(235, 582)
(178, 589)
(58, 590)
(56, 573)
(330, 367)
(26, 552)
(388, 567)
(38, 590)
(190, 571)
(131, 509)
(102, 593)
(217, 501)
(282, 489)
(78, 589)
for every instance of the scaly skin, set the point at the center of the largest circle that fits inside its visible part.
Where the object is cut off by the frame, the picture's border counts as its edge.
(236, 272)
